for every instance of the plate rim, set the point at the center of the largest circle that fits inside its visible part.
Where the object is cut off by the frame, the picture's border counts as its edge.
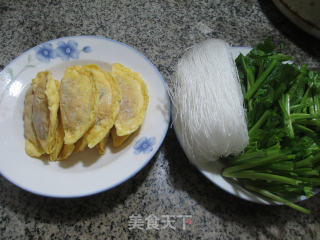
(305, 25)
(148, 159)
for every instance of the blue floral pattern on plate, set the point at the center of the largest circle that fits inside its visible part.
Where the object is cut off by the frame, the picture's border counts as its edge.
(144, 145)
(64, 50)
(45, 52)
(86, 49)
(68, 50)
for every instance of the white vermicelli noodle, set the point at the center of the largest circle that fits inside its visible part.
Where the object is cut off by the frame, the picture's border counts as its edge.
(208, 103)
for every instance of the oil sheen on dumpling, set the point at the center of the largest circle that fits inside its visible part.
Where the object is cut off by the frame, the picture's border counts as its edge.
(32, 145)
(108, 106)
(134, 100)
(78, 102)
(45, 107)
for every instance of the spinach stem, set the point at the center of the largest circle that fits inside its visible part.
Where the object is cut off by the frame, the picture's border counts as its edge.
(277, 198)
(261, 79)
(262, 176)
(259, 123)
(258, 162)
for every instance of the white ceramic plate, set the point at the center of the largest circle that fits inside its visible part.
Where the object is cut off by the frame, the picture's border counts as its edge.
(213, 170)
(87, 172)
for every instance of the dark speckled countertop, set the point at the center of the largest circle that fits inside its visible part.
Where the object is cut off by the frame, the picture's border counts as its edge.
(168, 185)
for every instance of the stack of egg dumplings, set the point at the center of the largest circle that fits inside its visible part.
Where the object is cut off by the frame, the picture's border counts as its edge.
(82, 110)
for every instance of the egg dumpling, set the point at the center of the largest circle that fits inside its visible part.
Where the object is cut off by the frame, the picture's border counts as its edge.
(78, 102)
(108, 105)
(45, 107)
(134, 100)
(32, 145)
(83, 110)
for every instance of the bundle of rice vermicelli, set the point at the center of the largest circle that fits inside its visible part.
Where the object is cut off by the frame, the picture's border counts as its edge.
(208, 103)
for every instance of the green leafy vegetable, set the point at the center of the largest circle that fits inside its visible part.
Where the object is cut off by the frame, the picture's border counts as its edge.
(282, 160)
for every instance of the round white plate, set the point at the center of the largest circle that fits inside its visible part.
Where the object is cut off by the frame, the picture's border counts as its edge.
(87, 172)
(213, 170)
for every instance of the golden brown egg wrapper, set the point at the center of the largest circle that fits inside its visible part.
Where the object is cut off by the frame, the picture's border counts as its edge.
(133, 104)
(32, 145)
(59, 138)
(108, 109)
(118, 140)
(81, 144)
(101, 146)
(61, 150)
(108, 105)
(66, 151)
(45, 106)
(90, 106)
(78, 103)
